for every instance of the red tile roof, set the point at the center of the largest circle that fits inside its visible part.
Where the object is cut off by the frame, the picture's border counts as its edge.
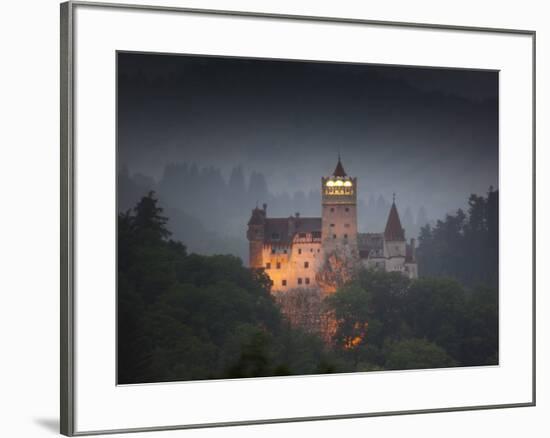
(394, 231)
(282, 230)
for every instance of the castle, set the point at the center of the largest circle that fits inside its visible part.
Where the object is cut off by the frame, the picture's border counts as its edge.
(294, 250)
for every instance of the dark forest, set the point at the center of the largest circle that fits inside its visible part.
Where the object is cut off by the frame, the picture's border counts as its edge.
(185, 316)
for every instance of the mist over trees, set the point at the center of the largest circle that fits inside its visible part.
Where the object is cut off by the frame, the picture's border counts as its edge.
(209, 211)
(398, 128)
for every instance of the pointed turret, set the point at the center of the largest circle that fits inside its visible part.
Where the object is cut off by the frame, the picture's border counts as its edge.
(339, 171)
(394, 231)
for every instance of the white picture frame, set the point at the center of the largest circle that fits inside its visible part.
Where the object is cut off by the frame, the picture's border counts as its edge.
(91, 401)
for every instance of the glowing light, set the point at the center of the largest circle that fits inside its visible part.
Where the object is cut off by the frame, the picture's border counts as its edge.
(339, 183)
(330, 183)
(347, 184)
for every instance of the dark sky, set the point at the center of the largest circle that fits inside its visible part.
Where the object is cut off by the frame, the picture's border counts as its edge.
(430, 135)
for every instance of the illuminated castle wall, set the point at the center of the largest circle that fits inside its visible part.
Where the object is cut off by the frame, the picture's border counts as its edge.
(293, 250)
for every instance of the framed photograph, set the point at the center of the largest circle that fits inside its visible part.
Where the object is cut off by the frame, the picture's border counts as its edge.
(264, 212)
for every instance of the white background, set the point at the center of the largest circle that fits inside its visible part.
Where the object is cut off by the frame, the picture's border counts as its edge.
(29, 220)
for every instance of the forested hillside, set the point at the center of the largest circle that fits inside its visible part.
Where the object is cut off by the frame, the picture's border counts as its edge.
(185, 316)
(464, 245)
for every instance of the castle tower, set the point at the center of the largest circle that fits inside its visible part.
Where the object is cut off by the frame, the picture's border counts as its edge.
(255, 235)
(394, 235)
(339, 211)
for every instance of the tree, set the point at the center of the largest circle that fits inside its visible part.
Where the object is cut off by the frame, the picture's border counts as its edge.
(257, 187)
(186, 316)
(236, 181)
(416, 354)
(148, 220)
(369, 312)
(435, 309)
(351, 309)
(450, 324)
(464, 245)
(386, 292)
(481, 328)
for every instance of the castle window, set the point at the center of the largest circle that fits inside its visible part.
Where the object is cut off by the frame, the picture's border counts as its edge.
(275, 236)
(268, 266)
(332, 225)
(284, 282)
(302, 235)
(346, 225)
(306, 264)
(307, 280)
(332, 209)
(347, 209)
(311, 250)
(278, 265)
(318, 250)
(299, 281)
(334, 236)
(284, 251)
(345, 236)
(273, 251)
(299, 250)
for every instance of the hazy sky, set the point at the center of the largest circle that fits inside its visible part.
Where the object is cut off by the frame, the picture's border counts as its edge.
(431, 135)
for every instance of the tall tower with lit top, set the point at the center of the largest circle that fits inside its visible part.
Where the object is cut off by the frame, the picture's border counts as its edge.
(339, 211)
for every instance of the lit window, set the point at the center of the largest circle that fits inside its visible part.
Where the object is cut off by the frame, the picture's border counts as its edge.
(339, 183)
(268, 266)
(330, 183)
(347, 184)
(306, 264)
